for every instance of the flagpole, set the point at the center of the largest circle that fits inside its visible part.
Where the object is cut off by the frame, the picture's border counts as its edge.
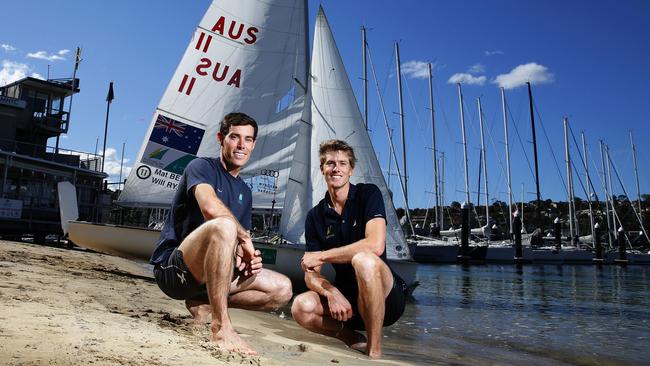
(109, 99)
(72, 87)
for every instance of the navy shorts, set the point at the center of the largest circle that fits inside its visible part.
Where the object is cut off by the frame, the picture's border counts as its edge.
(395, 303)
(176, 281)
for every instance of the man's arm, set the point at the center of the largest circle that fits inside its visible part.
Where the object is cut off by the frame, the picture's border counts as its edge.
(340, 308)
(374, 241)
(212, 207)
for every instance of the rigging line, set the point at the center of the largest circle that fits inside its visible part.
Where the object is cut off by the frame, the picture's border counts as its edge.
(626, 194)
(417, 116)
(391, 59)
(582, 160)
(550, 147)
(392, 150)
(523, 148)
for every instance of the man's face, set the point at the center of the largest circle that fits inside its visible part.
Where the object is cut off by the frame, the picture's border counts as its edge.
(237, 145)
(336, 169)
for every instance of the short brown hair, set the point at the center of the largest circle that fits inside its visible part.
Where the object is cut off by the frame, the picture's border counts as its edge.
(336, 145)
(237, 119)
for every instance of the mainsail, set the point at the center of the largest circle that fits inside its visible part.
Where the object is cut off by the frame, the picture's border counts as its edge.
(336, 115)
(244, 56)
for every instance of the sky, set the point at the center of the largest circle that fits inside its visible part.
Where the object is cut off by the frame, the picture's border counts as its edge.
(586, 60)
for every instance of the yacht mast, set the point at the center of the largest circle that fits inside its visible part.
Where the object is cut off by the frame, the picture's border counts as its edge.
(636, 175)
(462, 128)
(611, 191)
(487, 195)
(505, 129)
(442, 190)
(401, 122)
(591, 212)
(434, 151)
(532, 123)
(568, 177)
(365, 78)
(604, 175)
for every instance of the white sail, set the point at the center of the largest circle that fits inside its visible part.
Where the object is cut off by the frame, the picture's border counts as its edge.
(243, 57)
(336, 115)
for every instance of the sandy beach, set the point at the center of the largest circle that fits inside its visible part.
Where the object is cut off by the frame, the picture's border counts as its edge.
(72, 307)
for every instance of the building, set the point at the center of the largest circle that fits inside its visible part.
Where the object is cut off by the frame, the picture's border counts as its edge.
(33, 112)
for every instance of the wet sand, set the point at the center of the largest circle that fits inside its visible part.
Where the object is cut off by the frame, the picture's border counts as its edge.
(65, 307)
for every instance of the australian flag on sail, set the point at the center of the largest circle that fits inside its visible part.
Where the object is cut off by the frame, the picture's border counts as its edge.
(176, 135)
(172, 145)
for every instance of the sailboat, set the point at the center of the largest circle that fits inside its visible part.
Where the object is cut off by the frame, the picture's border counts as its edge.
(253, 58)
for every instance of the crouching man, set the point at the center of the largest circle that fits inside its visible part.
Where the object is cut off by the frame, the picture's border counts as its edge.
(348, 229)
(205, 255)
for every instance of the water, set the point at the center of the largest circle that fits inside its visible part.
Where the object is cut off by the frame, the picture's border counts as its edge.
(537, 314)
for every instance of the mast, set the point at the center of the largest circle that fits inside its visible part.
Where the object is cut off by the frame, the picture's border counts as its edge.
(611, 190)
(532, 123)
(636, 175)
(442, 190)
(505, 129)
(568, 177)
(522, 208)
(591, 212)
(462, 128)
(604, 175)
(487, 195)
(434, 151)
(401, 122)
(365, 78)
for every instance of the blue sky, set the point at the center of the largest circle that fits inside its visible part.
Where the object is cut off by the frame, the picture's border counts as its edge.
(588, 61)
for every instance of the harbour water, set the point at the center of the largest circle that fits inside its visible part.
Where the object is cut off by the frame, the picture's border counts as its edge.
(534, 314)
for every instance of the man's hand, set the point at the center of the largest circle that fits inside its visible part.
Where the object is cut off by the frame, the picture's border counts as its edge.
(340, 308)
(248, 260)
(310, 261)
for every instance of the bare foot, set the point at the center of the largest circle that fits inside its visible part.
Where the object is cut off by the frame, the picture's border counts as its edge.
(228, 339)
(200, 311)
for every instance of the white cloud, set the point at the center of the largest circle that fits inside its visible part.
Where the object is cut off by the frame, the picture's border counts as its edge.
(476, 69)
(417, 69)
(43, 55)
(7, 47)
(11, 71)
(467, 79)
(530, 72)
(63, 52)
(493, 53)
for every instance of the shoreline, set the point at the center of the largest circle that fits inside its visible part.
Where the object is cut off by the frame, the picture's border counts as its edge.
(62, 307)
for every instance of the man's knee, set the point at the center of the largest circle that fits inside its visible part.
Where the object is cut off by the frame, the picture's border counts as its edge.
(223, 227)
(283, 291)
(304, 305)
(366, 263)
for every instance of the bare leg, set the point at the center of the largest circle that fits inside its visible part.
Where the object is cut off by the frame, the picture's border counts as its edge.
(266, 291)
(375, 281)
(209, 254)
(311, 312)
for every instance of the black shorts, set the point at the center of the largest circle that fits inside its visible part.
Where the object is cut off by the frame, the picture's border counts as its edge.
(395, 303)
(176, 281)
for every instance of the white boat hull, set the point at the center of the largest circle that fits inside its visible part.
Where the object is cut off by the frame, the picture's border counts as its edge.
(139, 243)
(123, 241)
